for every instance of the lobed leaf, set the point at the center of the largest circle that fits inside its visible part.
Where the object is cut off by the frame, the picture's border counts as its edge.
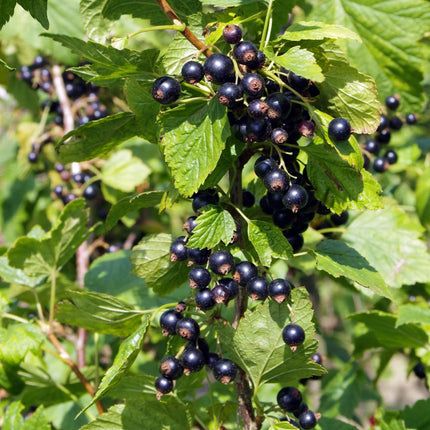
(38, 9)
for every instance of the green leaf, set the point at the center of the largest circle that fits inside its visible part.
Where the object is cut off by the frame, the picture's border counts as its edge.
(231, 3)
(422, 193)
(7, 8)
(124, 172)
(338, 185)
(37, 9)
(37, 421)
(13, 419)
(146, 109)
(132, 203)
(127, 354)
(192, 150)
(98, 312)
(416, 416)
(282, 426)
(6, 66)
(257, 345)
(300, 61)
(214, 225)
(339, 259)
(392, 55)
(96, 138)
(107, 63)
(111, 419)
(11, 274)
(384, 327)
(348, 93)
(38, 257)
(150, 259)
(403, 258)
(17, 340)
(95, 25)
(332, 424)
(269, 242)
(313, 30)
(412, 314)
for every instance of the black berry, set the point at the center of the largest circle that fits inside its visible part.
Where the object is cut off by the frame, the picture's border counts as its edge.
(205, 299)
(379, 164)
(263, 166)
(197, 256)
(229, 93)
(293, 335)
(392, 102)
(163, 385)
(257, 288)
(391, 156)
(221, 293)
(419, 370)
(187, 328)
(295, 198)
(248, 198)
(193, 360)
(171, 367)
(244, 272)
(384, 123)
(411, 118)
(384, 136)
(257, 108)
(295, 240)
(279, 106)
(203, 198)
(283, 218)
(339, 130)
(221, 262)
(280, 289)
(90, 192)
(396, 123)
(190, 224)
(252, 85)
(232, 34)
(246, 53)
(307, 420)
(276, 181)
(192, 72)
(279, 136)
(372, 146)
(33, 157)
(178, 250)
(224, 370)
(231, 286)
(199, 277)
(168, 321)
(219, 68)
(289, 399)
(166, 90)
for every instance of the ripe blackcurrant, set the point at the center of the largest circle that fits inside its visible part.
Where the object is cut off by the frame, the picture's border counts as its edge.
(263, 166)
(257, 108)
(411, 118)
(301, 409)
(190, 224)
(163, 385)
(246, 53)
(279, 106)
(197, 256)
(199, 277)
(193, 360)
(384, 136)
(90, 192)
(279, 136)
(384, 123)
(229, 93)
(232, 34)
(187, 328)
(221, 293)
(171, 367)
(280, 289)
(252, 85)
(391, 156)
(248, 198)
(231, 286)
(339, 130)
(419, 370)
(33, 157)
(178, 250)
(168, 321)
(221, 262)
(293, 335)
(69, 198)
(276, 181)
(166, 90)
(275, 200)
(224, 370)
(295, 240)
(339, 219)
(307, 420)
(392, 102)
(372, 146)
(317, 358)
(244, 272)
(257, 288)
(295, 198)
(256, 130)
(212, 358)
(283, 218)
(219, 68)
(289, 399)
(379, 164)
(265, 205)
(58, 190)
(297, 82)
(192, 72)
(203, 198)
(396, 123)
(205, 299)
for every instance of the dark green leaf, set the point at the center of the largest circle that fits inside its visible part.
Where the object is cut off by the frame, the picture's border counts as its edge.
(111, 419)
(422, 192)
(132, 203)
(146, 109)
(416, 416)
(193, 148)
(37, 9)
(258, 348)
(332, 424)
(214, 225)
(339, 259)
(127, 354)
(98, 137)
(7, 8)
(384, 327)
(151, 260)
(98, 312)
(5, 65)
(268, 241)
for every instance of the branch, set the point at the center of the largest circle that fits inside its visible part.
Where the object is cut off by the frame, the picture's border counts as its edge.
(186, 32)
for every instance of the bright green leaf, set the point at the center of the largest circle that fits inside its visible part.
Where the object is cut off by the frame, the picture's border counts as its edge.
(269, 242)
(422, 192)
(11, 274)
(409, 313)
(192, 150)
(214, 225)
(230, 3)
(37, 421)
(95, 25)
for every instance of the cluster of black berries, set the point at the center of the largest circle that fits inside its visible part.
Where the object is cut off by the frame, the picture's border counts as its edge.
(86, 104)
(420, 372)
(194, 356)
(290, 400)
(390, 122)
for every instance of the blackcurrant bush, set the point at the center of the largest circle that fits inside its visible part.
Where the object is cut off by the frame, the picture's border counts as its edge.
(232, 34)
(289, 399)
(190, 224)
(244, 272)
(276, 181)
(279, 136)
(379, 164)
(392, 102)
(199, 277)
(246, 53)
(339, 130)
(229, 93)
(224, 370)
(279, 106)
(257, 288)
(252, 85)
(168, 321)
(221, 262)
(171, 367)
(166, 90)
(372, 146)
(205, 299)
(264, 165)
(248, 198)
(187, 328)
(391, 156)
(295, 198)
(257, 108)
(307, 420)
(231, 285)
(163, 385)
(280, 289)
(192, 72)
(293, 335)
(219, 68)
(178, 250)
(193, 360)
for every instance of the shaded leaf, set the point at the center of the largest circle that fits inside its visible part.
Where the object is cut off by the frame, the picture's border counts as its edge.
(37, 9)
(7, 8)
(422, 192)
(6, 66)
